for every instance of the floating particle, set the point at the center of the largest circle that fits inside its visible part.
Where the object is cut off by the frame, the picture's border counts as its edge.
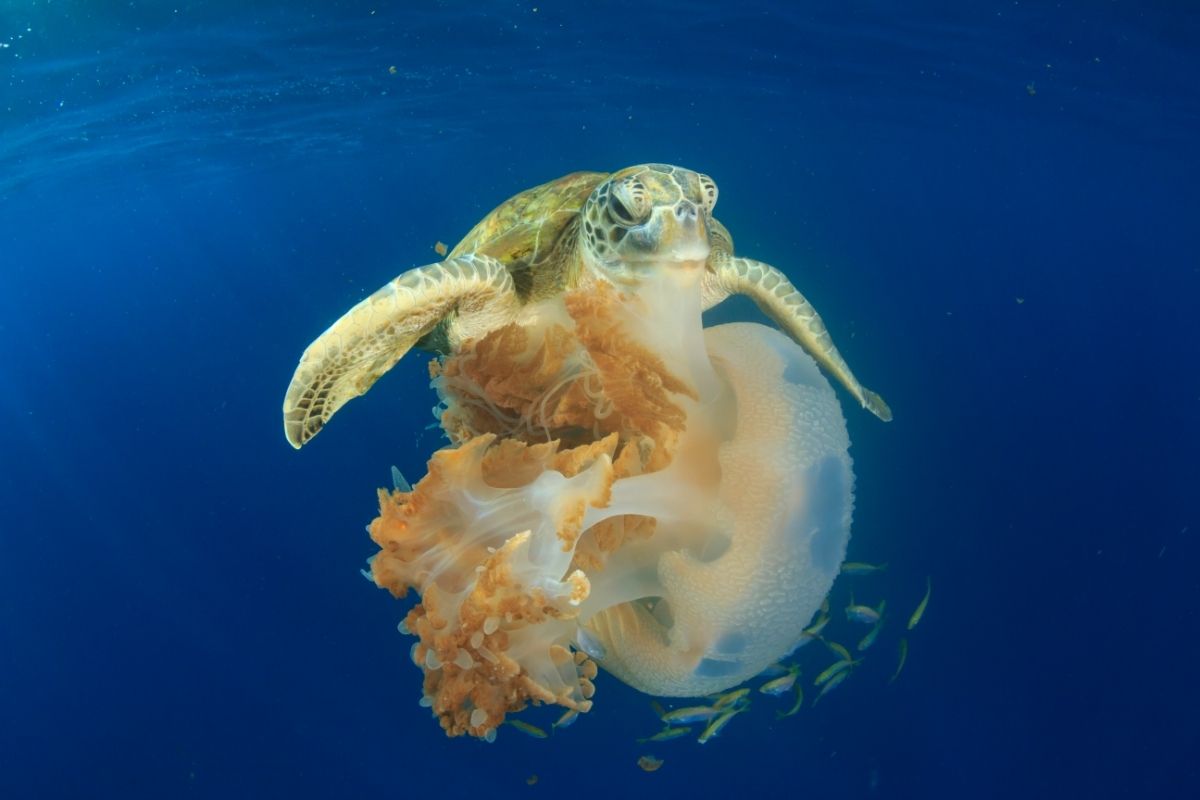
(649, 763)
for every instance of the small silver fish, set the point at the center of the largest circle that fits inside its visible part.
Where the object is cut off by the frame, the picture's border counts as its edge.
(730, 698)
(796, 706)
(775, 670)
(869, 639)
(567, 719)
(916, 615)
(833, 670)
(861, 568)
(838, 650)
(863, 614)
(834, 682)
(526, 728)
(717, 724)
(667, 734)
(588, 643)
(903, 658)
(814, 630)
(686, 716)
(398, 481)
(780, 685)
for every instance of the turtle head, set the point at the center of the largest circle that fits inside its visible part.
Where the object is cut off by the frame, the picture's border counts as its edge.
(647, 218)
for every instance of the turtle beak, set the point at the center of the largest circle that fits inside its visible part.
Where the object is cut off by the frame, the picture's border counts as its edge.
(684, 237)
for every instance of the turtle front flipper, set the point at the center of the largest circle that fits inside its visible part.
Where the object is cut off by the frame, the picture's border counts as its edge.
(370, 338)
(782, 302)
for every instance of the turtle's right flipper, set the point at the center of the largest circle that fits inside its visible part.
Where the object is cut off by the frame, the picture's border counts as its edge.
(370, 338)
(775, 295)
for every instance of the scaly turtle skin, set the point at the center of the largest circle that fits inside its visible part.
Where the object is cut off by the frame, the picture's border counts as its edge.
(584, 227)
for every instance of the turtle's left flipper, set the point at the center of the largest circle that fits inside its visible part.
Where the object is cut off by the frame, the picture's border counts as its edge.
(370, 338)
(782, 302)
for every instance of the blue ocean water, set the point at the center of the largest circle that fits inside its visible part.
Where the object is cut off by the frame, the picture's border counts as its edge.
(994, 205)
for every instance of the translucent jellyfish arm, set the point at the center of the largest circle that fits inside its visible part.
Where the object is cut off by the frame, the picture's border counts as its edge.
(491, 562)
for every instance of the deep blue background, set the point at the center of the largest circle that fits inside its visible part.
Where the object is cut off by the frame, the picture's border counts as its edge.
(189, 193)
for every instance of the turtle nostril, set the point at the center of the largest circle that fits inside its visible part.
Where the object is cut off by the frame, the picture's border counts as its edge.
(685, 210)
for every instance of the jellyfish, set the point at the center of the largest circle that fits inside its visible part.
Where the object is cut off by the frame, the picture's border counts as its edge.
(625, 490)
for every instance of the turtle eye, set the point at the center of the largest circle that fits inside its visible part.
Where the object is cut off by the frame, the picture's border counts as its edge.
(629, 205)
(708, 188)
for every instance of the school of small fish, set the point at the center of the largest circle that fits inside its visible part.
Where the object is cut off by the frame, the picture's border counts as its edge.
(783, 679)
(779, 681)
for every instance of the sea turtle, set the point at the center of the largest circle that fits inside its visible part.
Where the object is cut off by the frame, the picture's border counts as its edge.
(586, 226)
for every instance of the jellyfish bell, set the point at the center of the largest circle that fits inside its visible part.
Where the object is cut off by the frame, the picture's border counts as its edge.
(628, 490)
(753, 520)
